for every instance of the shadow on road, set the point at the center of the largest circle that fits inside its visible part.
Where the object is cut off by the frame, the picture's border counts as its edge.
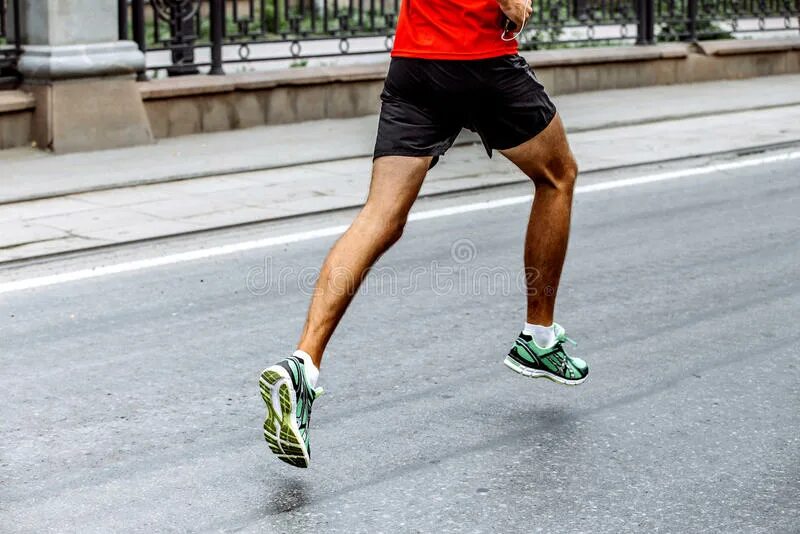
(286, 495)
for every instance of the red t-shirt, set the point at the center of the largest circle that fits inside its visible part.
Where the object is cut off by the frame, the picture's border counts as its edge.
(450, 29)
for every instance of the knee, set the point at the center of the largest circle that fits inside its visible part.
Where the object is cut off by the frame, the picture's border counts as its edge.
(570, 172)
(393, 226)
(385, 226)
(559, 174)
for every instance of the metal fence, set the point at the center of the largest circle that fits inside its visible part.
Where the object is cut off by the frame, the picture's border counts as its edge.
(9, 44)
(711, 19)
(586, 22)
(194, 32)
(190, 36)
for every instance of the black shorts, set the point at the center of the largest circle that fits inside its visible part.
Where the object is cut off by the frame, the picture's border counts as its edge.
(425, 103)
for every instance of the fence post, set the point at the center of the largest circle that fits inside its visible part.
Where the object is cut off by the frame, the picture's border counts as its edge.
(179, 16)
(645, 31)
(217, 14)
(641, 28)
(692, 13)
(17, 26)
(137, 19)
(650, 6)
(122, 18)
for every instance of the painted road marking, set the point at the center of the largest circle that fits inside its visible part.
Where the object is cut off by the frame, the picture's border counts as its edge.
(213, 252)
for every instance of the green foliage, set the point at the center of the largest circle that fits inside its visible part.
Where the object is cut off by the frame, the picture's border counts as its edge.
(706, 30)
(672, 25)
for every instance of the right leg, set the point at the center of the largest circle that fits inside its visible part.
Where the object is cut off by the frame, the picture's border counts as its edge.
(286, 387)
(418, 121)
(396, 181)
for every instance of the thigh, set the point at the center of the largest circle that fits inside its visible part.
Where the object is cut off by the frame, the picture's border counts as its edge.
(545, 156)
(396, 181)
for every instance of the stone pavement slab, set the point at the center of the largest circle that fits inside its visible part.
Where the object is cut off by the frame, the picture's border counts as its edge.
(86, 220)
(27, 174)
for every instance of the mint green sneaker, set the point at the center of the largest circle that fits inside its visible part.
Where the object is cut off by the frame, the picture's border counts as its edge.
(288, 396)
(529, 359)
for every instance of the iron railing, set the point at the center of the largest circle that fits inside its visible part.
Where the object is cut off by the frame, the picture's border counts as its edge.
(190, 36)
(9, 41)
(578, 22)
(596, 22)
(710, 19)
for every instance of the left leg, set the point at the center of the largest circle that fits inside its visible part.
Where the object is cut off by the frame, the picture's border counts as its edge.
(539, 349)
(547, 160)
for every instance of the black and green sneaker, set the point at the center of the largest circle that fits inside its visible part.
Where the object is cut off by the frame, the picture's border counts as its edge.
(529, 359)
(288, 396)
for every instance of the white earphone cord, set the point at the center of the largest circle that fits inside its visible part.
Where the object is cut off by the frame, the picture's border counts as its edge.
(519, 31)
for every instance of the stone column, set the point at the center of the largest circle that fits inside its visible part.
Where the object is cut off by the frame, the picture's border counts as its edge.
(81, 76)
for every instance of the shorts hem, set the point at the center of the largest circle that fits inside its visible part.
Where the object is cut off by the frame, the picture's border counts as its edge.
(528, 136)
(407, 154)
(410, 154)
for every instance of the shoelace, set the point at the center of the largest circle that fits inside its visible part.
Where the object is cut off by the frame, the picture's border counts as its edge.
(560, 351)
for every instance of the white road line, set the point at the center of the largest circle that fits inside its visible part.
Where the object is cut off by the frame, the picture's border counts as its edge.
(138, 265)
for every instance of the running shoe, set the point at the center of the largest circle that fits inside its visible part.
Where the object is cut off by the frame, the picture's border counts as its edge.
(288, 396)
(529, 359)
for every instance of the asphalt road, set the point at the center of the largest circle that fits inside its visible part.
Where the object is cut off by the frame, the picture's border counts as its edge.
(130, 402)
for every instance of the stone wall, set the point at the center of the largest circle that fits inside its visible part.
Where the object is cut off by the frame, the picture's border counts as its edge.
(194, 104)
(16, 117)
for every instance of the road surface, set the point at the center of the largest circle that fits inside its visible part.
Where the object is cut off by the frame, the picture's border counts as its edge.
(130, 401)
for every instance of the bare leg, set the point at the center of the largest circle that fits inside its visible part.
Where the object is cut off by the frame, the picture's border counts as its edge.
(548, 161)
(395, 184)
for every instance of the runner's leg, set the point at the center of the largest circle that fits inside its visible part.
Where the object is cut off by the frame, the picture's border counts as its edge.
(396, 181)
(548, 161)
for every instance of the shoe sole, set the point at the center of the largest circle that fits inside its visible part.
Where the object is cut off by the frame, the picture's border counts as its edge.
(537, 373)
(280, 425)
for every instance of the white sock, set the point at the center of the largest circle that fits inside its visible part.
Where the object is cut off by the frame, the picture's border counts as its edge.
(312, 373)
(544, 336)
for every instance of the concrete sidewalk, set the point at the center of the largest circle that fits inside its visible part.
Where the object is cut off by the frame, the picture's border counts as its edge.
(303, 168)
(29, 174)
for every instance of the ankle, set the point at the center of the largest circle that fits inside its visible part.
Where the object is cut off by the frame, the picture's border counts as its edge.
(312, 371)
(544, 336)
